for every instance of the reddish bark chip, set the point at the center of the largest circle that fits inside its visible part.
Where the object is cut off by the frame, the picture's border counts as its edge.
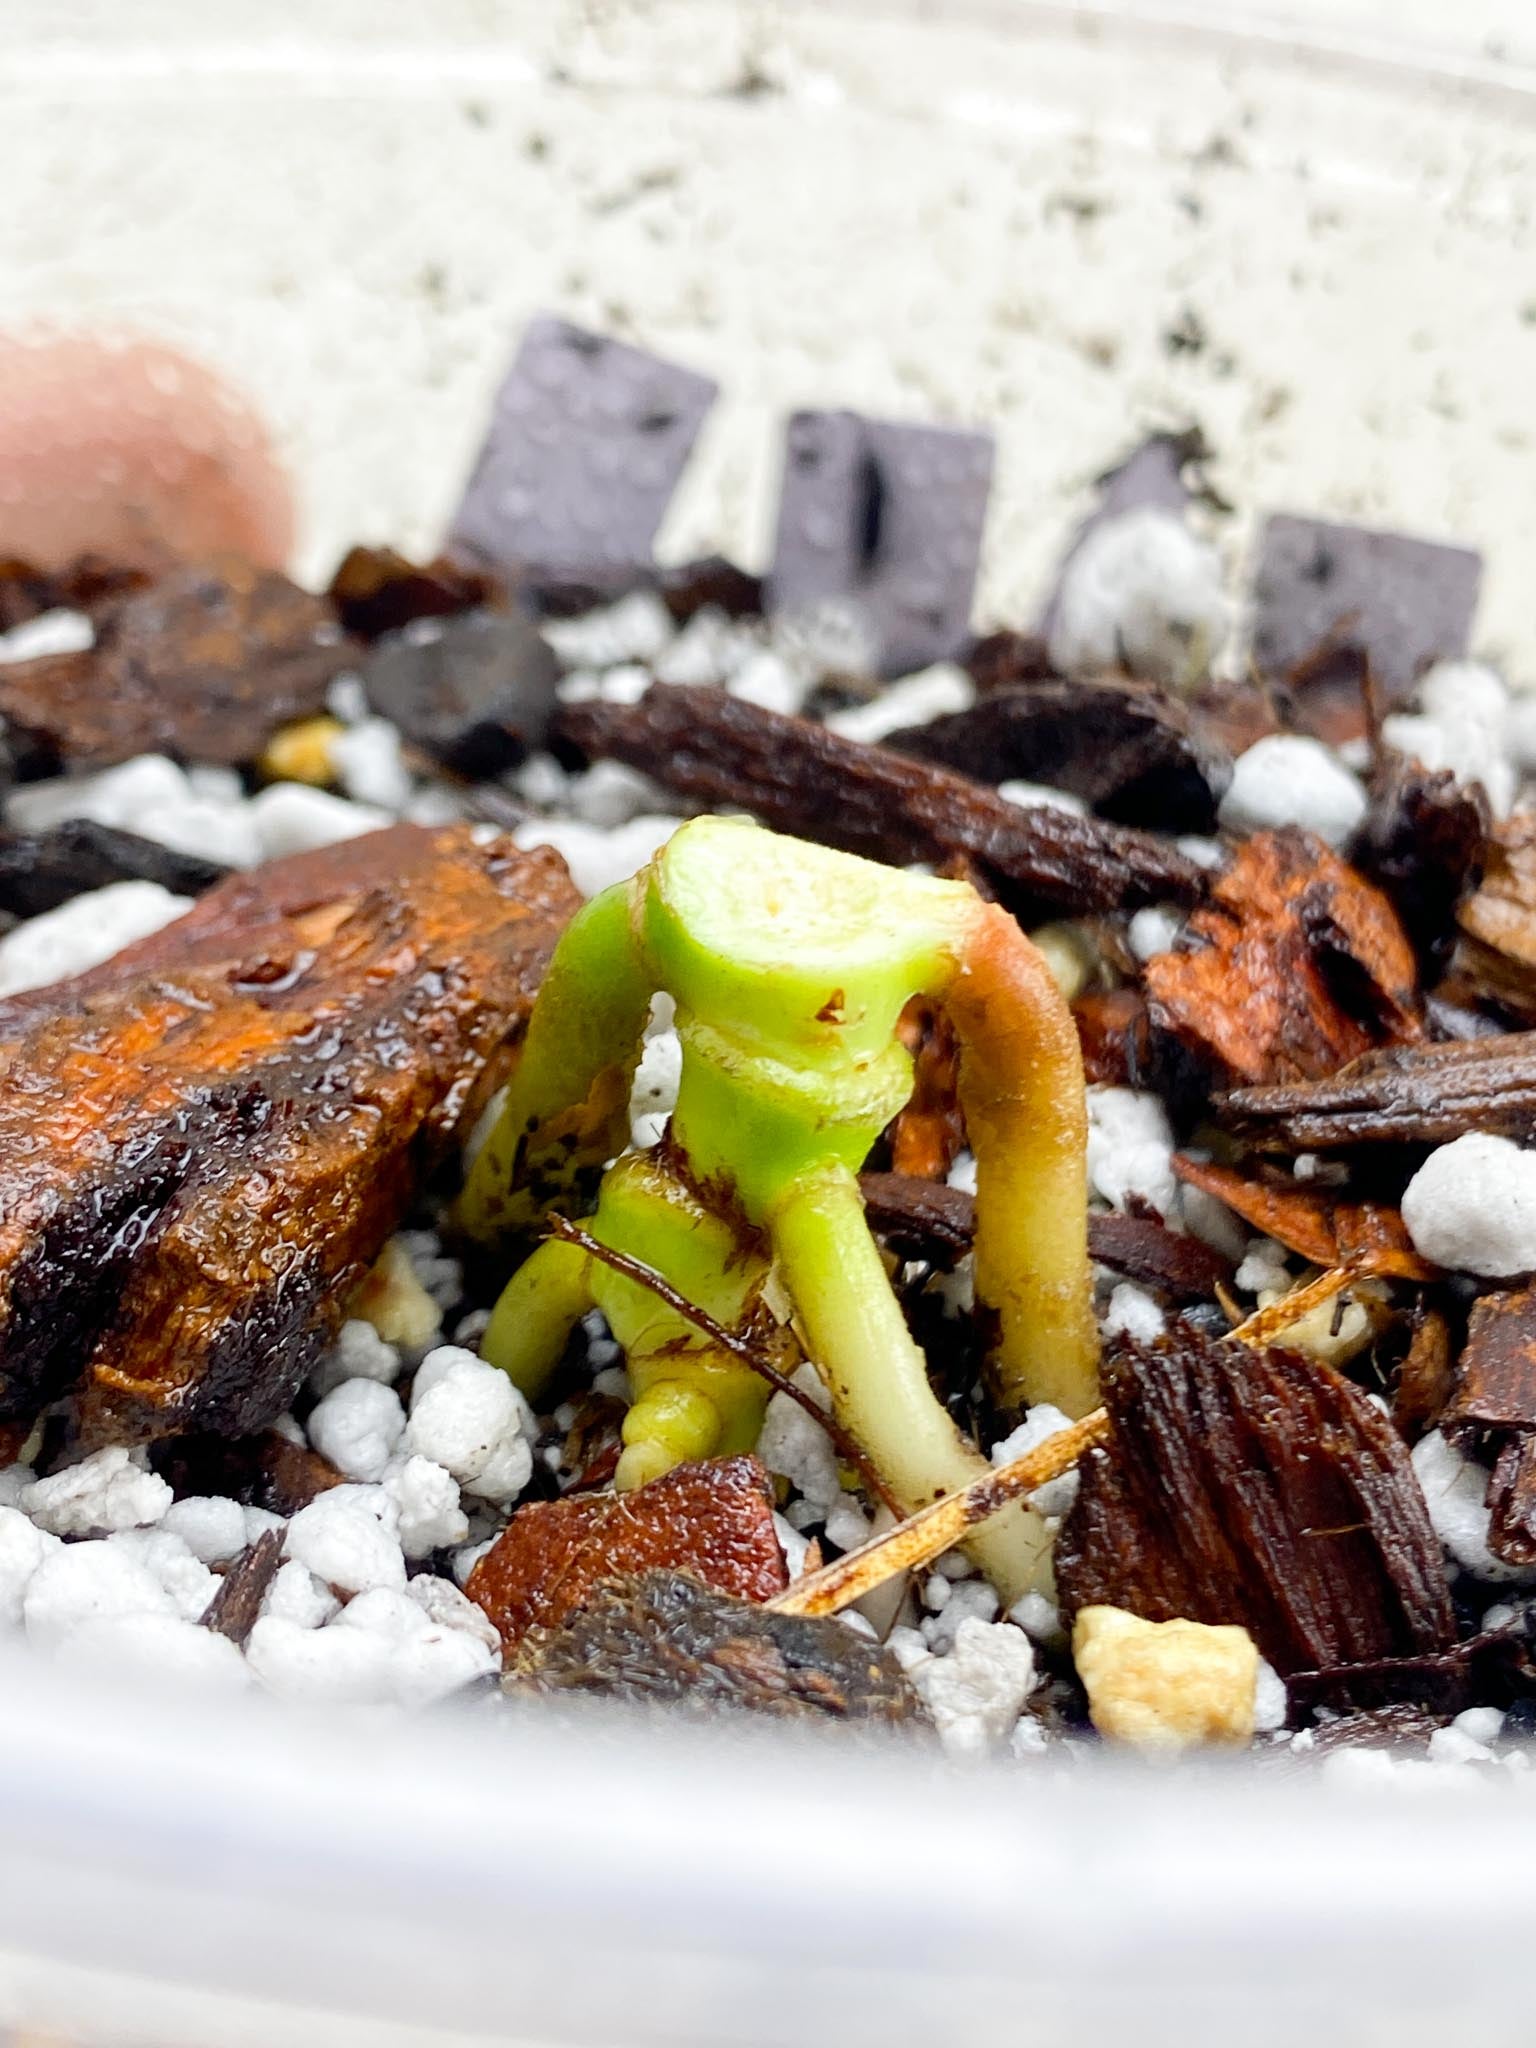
(587, 440)
(1405, 602)
(712, 1520)
(887, 520)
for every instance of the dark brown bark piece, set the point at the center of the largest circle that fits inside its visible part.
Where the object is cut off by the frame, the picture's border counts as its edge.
(712, 1520)
(1004, 660)
(1295, 967)
(1406, 1095)
(801, 778)
(204, 665)
(205, 1143)
(376, 591)
(1425, 1377)
(1496, 1374)
(1399, 1727)
(1424, 843)
(1512, 1501)
(1128, 749)
(476, 693)
(1315, 1222)
(663, 1640)
(263, 1471)
(234, 1609)
(1405, 602)
(884, 519)
(1259, 1488)
(1498, 923)
(586, 442)
(41, 870)
(713, 581)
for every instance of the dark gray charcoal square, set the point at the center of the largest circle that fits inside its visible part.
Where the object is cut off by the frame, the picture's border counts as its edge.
(1406, 602)
(587, 440)
(886, 519)
(1152, 474)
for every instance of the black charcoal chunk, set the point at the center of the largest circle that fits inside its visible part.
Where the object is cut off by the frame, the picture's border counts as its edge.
(712, 580)
(587, 440)
(1152, 475)
(476, 693)
(1405, 602)
(41, 870)
(886, 520)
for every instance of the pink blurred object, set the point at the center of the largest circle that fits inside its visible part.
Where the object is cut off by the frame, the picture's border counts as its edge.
(115, 445)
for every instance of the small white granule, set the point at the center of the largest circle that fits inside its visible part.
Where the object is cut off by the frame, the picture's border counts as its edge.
(296, 1595)
(796, 1548)
(1040, 1424)
(626, 684)
(357, 1427)
(710, 649)
(59, 631)
(1467, 1739)
(609, 794)
(287, 1427)
(82, 1582)
(796, 1447)
(1464, 724)
(970, 1600)
(1132, 1312)
(14, 1481)
(359, 1353)
(426, 1499)
(162, 1646)
(1205, 853)
(1032, 796)
(653, 1097)
(936, 1592)
(596, 858)
(1028, 1739)
(1270, 1704)
(931, 693)
(962, 1174)
(430, 1657)
(213, 1528)
(340, 1666)
(633, 628)
(291, 818)
(465, 1560)
(22, 1549)
(108, 1490)
(1472, 1206)
(149, 795)
(346, 1537)
(1130, 1148)
(84, 932)
(1154, 930)
(165, 1557)
(976, 1693)
(1288, 779)
(369, 767)
(1142, 593)
(258, 1521)
(769, 681)
(1263, 1268)
(1039, 1618)
(906, 1645)
(1455, 1490)
(470, 1418)
(847, 1524)
(542, 782)
(346, 698)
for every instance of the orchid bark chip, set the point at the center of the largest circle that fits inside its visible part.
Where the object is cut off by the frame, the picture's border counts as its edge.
(790, 966)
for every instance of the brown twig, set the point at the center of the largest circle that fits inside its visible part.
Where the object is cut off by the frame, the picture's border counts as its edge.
(940, 1526)
(1265, 1324)
(731, 1341)
(235, 1606)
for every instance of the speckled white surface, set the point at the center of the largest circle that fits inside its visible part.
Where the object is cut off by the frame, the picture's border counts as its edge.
(1005, 213)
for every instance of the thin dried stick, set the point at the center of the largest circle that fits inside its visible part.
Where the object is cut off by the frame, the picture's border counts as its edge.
(740, 1348)
(940, 1526)
(1265, 1324)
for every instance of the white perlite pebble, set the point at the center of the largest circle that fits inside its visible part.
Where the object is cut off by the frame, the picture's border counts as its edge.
(1130, 1148)
(213, 1528)
(1463, 723)
(161, 1646)
(442, 1602)
(166, 1558)
(796, 1447)
(710, 649)
(106, 1491)
(359, 1353)
(1263, 1266)
(769, 681)
(1132, 1312)
(1154, 930)
(469, 1418)
(1287, 779)
(976, 1693)
(369, 767)
(84, 932)
(1039, 1618)
(1270, 1704)
(1040, 1424)
(609, 794)
(22, 1550)
(296, 1595)
(1145, 593)
(152, 796)
(346, 1537)
(426, 1498)
(971, 1600)
(1039, 795)
(1455, 1490)
(465, 1560)
(338, 1666)
(596, 858)
(653, 1096)
(291, 818)
(82, 1582)
(1472, 1206)
(430, 1657)
(357, 1427)
(914, 700)
(57, 632)
(14, 1481)
(634, 628)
